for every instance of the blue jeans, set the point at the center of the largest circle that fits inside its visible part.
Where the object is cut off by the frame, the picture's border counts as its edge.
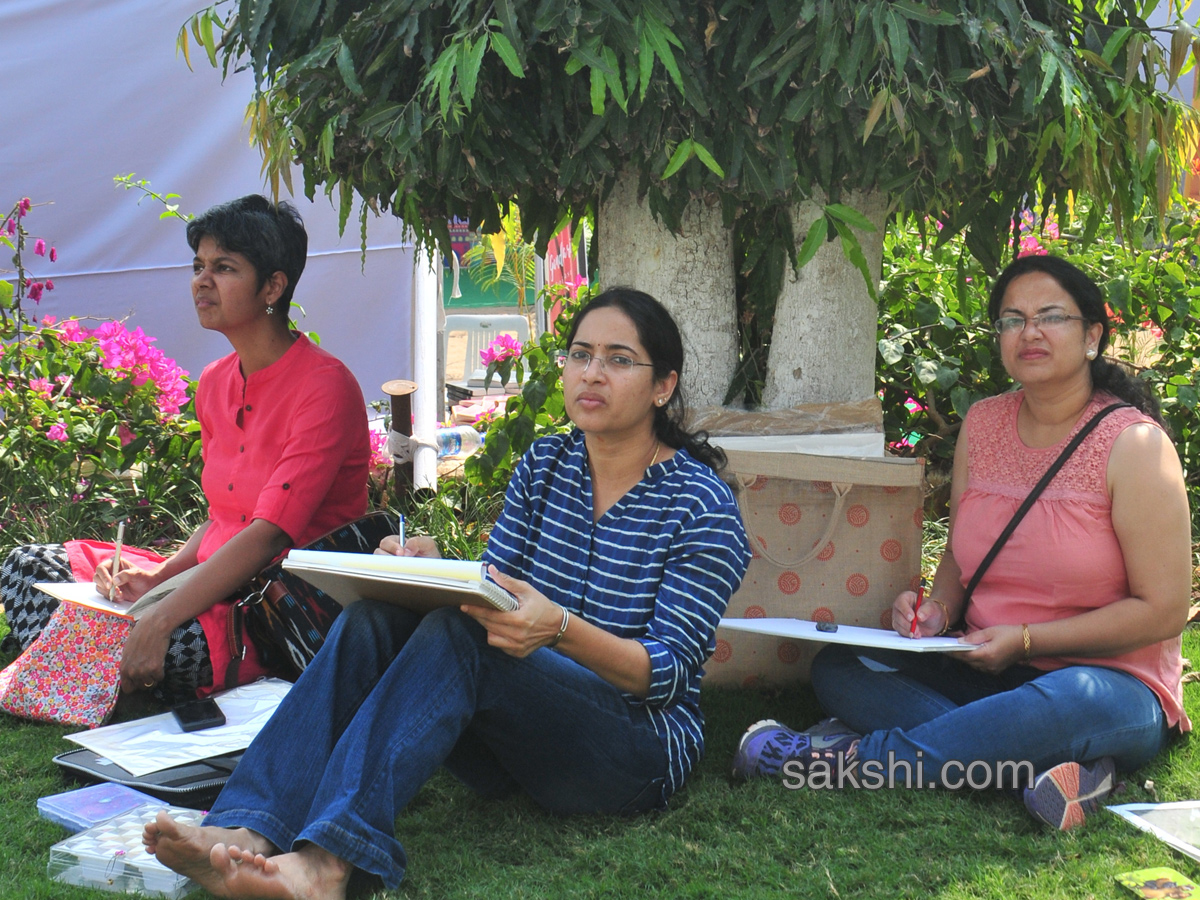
(392, 696)
(938, 710)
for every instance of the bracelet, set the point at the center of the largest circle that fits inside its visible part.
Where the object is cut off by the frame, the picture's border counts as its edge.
(945, 615)
(562, 629)
(1025, 638)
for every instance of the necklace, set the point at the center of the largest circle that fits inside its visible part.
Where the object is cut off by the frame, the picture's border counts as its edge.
(654, 458)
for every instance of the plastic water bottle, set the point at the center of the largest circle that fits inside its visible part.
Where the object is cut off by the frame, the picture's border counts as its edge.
(462, 440)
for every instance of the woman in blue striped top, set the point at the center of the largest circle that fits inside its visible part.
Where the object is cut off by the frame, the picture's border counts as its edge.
(621, 545)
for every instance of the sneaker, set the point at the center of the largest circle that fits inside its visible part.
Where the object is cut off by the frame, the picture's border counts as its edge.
(767, 745)
(1065, 795)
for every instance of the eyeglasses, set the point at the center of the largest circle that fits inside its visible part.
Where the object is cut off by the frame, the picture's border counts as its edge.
(1017, 324)
(579, 360)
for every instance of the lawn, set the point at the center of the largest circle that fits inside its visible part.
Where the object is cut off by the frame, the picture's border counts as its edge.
(718, 839)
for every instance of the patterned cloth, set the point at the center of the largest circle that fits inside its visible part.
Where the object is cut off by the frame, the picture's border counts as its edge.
(187, 665)
(658, 567)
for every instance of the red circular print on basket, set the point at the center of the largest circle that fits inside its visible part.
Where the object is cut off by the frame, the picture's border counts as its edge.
(789, 653)
(822, 614)
(760, 482)
(723, 653)
(751, 681)
(885, 619)
(857, 584)
(826, 552)
(919, 517)
(823, 486)
(754, 612)
(789, 583)
(858, 515)
(789, 513)
(891, 489)
(890, 549)
(915, 583)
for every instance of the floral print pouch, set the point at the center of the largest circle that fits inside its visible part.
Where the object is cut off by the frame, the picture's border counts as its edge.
(71, 673)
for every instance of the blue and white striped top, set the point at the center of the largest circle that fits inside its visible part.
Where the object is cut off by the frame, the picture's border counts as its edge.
(659, 567)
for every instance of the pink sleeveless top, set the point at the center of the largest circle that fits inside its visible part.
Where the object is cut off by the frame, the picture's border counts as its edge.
(1064, 558)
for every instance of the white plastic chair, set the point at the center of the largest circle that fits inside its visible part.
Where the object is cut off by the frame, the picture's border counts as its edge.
(480, 331)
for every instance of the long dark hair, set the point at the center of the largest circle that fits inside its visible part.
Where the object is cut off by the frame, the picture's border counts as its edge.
(659, 335)
(1106, 376)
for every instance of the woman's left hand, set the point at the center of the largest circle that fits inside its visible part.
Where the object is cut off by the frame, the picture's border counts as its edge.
(518, 633)
(144, 655)
(1000, 646)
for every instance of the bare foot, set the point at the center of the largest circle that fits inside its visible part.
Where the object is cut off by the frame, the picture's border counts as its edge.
(311, 873)
(187, 848)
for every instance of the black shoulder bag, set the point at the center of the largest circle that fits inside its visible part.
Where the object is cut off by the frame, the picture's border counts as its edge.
(1028, 503)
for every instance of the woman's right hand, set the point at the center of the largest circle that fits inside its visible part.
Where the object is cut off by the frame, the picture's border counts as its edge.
(131, 582)
(421, 545)
(931, 618)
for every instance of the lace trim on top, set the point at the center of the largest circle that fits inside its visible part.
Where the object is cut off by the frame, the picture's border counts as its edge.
(1000, 462)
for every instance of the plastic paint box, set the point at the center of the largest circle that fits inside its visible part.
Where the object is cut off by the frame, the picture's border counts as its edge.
(84, 807)
(110, 856)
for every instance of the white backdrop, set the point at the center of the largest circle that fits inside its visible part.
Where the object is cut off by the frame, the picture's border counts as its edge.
(93, 89)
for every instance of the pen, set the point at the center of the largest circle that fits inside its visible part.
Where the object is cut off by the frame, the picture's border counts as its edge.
(116, 565)
(917, 608)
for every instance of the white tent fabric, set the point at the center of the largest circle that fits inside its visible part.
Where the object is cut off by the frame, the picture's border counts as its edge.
(94, 88)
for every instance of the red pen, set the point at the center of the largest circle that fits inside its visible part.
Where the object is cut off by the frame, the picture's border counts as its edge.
(916, 609)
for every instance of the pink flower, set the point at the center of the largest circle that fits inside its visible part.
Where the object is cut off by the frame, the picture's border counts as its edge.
(57, 432)
(49, 320)
(53, 254)
(35, 291)
(380, 458)
(49, 287)
(10, 225)
(125, 434)
(41, 387)
(39, 247)
(1031, 247)
(502, 347)
(24, 206)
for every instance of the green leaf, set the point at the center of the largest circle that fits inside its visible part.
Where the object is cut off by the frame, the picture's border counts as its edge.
(926, 370)
(599, 89)
(470, 60)
(892, 350)
(345, 64)
(812, 242)
(661, 39)
(850, 216)
(875, 112)
(960, 397)
(853, 250)
(6, 294)
(505, 50)
(685, 151)
(707, 158)
(923, 13)
(947, 376)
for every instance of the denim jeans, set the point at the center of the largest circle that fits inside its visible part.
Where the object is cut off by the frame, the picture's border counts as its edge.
(936, 709)
(392, 696)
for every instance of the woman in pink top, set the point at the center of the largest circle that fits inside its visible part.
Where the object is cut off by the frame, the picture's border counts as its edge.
(1076, 666)
(286, 456)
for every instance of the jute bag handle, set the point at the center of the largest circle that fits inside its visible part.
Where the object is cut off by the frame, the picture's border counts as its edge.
(840, 491)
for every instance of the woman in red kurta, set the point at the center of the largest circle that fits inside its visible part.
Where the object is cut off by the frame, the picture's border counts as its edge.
(286, 455)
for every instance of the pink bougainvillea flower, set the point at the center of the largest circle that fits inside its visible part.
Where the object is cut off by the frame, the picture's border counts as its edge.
(125, 433)
(501, 348)
(49, 320)
(57, 432)
(35, 291)
(24, 206)
(53, 254)
(380, 458)
(40, 386)
(49, 287)
(10, 225)
(39, 247)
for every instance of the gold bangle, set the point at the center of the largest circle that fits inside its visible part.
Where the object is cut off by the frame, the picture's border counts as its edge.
(562, 629)
(1025, 638)
(945, 615)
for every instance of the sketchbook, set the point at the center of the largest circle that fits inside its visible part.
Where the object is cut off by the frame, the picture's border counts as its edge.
(413, 582)
(846, 634)
(84, 593)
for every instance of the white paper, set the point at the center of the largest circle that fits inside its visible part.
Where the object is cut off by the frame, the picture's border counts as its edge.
(1176, 824)
(805, 630)
(863, 443)
(157, 742)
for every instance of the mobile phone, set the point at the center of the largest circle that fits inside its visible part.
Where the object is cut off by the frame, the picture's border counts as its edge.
(195, 715)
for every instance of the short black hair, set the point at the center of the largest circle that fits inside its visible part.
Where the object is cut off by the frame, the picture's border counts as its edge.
(270, 235)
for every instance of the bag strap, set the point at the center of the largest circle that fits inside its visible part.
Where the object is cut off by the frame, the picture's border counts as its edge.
(1029, 500)
(839, 490)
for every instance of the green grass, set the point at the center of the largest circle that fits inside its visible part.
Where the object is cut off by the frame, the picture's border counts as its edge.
(718, 839)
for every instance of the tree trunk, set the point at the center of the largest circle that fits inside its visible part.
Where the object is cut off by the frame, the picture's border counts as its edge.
(691, 274)
(823, 340)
